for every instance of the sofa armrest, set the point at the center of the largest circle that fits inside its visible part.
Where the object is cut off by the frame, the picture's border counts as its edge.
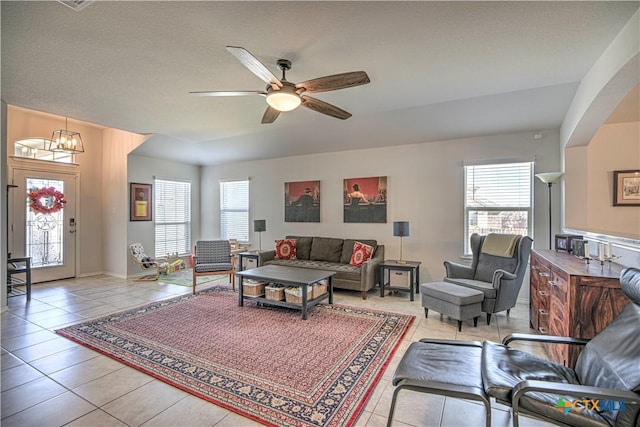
(457, 271)
(265, 256)
(369, 270)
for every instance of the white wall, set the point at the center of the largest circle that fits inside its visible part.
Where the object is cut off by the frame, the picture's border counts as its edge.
(589, 209)
(115, 198)
(23, 123)
(425, 183)
(145, 170)
(614, 147)
(3, 205)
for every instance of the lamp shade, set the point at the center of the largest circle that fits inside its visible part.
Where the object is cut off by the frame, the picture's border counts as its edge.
(283, 101)
(259, 225)
(401, 228)
(549, 177)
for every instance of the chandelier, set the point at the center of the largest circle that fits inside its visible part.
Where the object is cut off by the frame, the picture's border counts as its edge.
(66, 141)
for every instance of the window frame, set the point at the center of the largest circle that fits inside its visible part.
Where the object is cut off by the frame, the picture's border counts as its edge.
(159, 212)
(243, 236)
(467, 209)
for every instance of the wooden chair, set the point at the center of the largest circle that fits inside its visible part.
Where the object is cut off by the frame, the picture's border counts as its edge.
(213, 257)
(145, 262)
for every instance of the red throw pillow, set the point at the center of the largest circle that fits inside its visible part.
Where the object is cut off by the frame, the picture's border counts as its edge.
(361, 254)
(286, 249)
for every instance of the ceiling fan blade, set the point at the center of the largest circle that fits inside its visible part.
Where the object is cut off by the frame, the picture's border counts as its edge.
(334, 82)
(255, 66)
(270, 115)
(324, 108)
(228, 93)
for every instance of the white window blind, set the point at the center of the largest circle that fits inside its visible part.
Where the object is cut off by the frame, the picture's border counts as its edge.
(498, 199)
(172, 217)
(234, 210)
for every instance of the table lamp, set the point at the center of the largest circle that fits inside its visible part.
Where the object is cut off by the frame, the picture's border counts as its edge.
(401, 229)
(260, 225)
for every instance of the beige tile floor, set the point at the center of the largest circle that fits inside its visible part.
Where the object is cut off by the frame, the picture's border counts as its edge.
(50, 381)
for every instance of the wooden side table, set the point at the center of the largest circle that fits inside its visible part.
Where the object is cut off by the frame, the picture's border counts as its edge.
(413, 267)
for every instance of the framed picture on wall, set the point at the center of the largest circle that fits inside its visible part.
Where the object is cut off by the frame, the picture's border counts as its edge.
(141, 202)
(302, 201)
(365, 199)
(626, 188)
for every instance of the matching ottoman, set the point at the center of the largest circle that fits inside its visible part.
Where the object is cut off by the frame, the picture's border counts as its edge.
(451, 300)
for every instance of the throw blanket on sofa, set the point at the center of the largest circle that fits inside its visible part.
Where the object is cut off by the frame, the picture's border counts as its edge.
(500, 244)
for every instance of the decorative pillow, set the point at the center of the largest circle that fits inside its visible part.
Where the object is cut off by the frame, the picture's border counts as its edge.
(286, 249)
(361, 254)
(303, 246)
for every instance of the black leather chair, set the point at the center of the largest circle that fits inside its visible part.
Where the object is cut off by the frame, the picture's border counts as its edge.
(603, 389)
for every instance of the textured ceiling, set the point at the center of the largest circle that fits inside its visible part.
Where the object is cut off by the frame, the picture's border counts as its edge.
(439, 70)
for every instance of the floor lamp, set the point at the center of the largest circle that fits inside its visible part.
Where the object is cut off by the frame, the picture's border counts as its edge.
(260, 225)
(401, 229)
(549, 178)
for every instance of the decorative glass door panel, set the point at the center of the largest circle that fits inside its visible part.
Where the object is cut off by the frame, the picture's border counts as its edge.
(44, 235)
(43, 222)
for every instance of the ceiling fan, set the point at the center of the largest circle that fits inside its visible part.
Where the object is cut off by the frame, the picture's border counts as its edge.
(283, 95)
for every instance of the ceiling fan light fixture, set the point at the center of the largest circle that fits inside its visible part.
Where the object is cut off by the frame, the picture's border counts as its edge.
(283, 101)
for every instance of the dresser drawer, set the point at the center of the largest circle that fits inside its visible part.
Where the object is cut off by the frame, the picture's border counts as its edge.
(543, 321)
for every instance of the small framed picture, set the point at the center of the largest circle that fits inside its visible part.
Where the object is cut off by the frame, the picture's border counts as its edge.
(626, 188)
(141, 206)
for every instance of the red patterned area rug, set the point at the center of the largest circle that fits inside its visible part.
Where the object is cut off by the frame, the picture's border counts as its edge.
(264, 363)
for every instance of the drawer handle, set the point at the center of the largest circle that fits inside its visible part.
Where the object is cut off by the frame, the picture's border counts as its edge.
(543, 312)
(533, 267)
(543, 293)
(542, 330)
(542, 274)
(553, 283)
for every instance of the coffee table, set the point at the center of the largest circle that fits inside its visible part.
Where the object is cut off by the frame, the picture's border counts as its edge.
(292, 276)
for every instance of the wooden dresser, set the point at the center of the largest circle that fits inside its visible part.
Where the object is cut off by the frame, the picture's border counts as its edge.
(570, 298)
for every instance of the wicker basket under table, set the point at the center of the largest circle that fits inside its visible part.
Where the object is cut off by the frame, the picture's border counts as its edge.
(294, 295)
(252, 288)
(274, 293)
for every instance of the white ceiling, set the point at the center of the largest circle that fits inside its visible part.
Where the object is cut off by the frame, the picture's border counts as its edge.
(438, 70)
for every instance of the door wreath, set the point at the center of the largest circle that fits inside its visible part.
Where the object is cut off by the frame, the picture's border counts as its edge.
(46, 200)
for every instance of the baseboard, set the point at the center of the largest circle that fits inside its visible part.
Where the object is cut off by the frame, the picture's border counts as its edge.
(113, 274)
(94, 273)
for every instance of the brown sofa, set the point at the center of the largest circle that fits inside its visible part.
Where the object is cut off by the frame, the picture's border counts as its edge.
(327, 253)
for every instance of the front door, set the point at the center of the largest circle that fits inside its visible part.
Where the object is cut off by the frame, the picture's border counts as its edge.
(43, 222)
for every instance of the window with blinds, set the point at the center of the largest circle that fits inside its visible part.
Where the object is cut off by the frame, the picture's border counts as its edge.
(234, 210)
(172, 217)
(498, 199)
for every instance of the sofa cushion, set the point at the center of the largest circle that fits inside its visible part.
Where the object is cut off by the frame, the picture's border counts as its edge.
(361, 254)
(343, 271)
(303, 246)
(326, 249)
(347, 248)
(286, 249)
(488, 264)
